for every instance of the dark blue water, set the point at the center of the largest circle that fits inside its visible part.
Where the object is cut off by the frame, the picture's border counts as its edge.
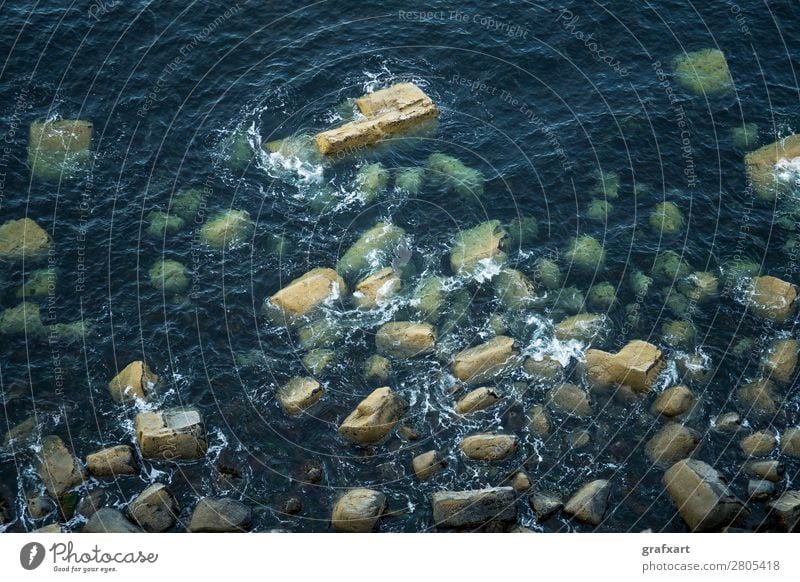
(524, 97)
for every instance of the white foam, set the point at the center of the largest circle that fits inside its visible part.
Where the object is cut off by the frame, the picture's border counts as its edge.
(788, 171)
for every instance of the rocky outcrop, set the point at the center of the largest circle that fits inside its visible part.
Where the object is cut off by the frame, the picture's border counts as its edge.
(374, 248)
(478, 399)
(374, 417)
(489, 447)
(298, 394)
(358, 510)
(135, 381)
(772, 298)
(701, 496)
(472, 509)
(671, 443)
(590, 502)
(109, 520)
(427, 464)
(304, 295)
(112, 462)
(674, 401)
(486, 361)
(780, 360)
(571, 399)
(405, 339)
(767, 167)
(377, 289)
(23, 239)
(57, 468)
(478, 245)
(220, 515)
(636, 365)
(786, 510)
(171, 435)
(154, 509)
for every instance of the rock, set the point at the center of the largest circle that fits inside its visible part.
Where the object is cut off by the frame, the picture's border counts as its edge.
(59, 149)
(545, 370)
(701, 496)
(21, 434)
(304, 295)
(546, 504)
(471, 509)
(171, 434)
(602, 296)
(589, 504)
(539, 421)
(39, 506)
(405, 339)
(318, 361)
(112, 462)
(374, 417)
(160, 224)
(636, 365)
(786, 510)
(768, 168)
(227, 229)
(674, 401)
(759, 397)
(377, 370)
(478, 399)
(292, 506)
(428, 298)
(169, 276)
(371, 181)
(522, 231)
(583, 327)
(389, 111)
(679, 334)
(703, 72)
(586, 254)
(548, 274)
(770, 470)
(758, 444)
(92, 501)
(358, 510)
(670, 267)
(409, 180)
(135, 381)
(38, 284)
(374, 248)
(699, 287)
(671, 443)
(109, 520)
(780, 360)
(481, 245)
(489, 447)
(728, 422)
(154, 509)
(427, 464)
(513, 290)
(579, 439)
(377, 289)
(760, 489)
(667, 218)
(486, 361)
(745, 136)
(569, 300)
(50, 529)
(299, 394)
(187, 203)
(790, 442)
(571, 399)
(599, 210)
(452, 174)
(23, 320)
(220, 515)
(57, 468)
(323, 332)
(772, 298)
(520, 481)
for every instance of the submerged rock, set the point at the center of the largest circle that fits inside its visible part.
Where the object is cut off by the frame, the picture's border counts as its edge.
(586, 254)
(227, 229)
(571, 399)
(607, 185)
(299, 394)
(671, 443)
(470, 509)
(674, 401)
(679, 334)
(38, 284)
(669, 267)
(109, 520)
(759, 397)
(636, 365)
(111, 462)
(667, 218)
(409, 180)
(24, 320)
(154, 509)
(428, 298)
(135, 381)
(374, 248)
(548, 274)
(539, 421)
(703, 72)
(513, 290)
(371, 182)
(172, 434)
(786, 510)
(485, 361)
(745, 136)
(377, 370)
(772, 298)
(220, 515)
(374, 417)
(478, 399)
(321, 333)
(169, 276)
(489, 447)
(584, 327)
(305, 294)
(358, 510)
(480, 245)
(771, 168)
(544, 369)
(160, 224)
(452, 173)
(546, 504)
(700, 286)
(758, 444)
(427, 464)
(57, 468)
(59, 149)
(790, 442)
(522, 231)
(771, 470)
(590, 502)
(602, 296)
(317, 362)
(377, 289)
(599, 210)
(701, 496)
(186, 204)
(405, 339)
(780, 360)
(23, 240)
(760, 489)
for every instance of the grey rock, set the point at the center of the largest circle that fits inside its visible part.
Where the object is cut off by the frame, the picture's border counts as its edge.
(109, 520)
(470, 509)
(154, 509)
(219, 515)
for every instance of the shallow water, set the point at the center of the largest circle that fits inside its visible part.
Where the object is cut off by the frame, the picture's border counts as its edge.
(535, 110)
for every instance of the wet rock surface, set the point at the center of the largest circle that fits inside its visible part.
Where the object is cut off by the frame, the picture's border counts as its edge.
(220, 515)
(374, 417)
(358, 510)
(472, 509)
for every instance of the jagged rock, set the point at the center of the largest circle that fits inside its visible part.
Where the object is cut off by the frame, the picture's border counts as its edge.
(546, 504)
(227, 229)
(220, 515)
(372, 249)
(59, 149)
(768, 167)
(427, 464)
(305, 294)
(135, 381)
(358, 510)
(112, 462)
(771, 470)
(780, 360)
(405, 339)
(571, 399)
(539, 421)
(485, 361)
(790, 442)
(786, 510)
(109, 520)
(478, 399)
(583, 327)
(23, 239)
(759, 397)
(479, 245)
(154, 509)
(589, 504)
(470, 509)
(299, 394)
(758, 444)
(377, 370)
(171, 434)
(674, 401)
(376, 289)
(772, 298)
(636, 365)
(57, 468)
(701, 496)
(374, 417)
(671, 443)
(489, 447)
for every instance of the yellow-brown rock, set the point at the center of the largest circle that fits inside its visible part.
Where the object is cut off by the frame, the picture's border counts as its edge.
(376, 289)
(135, 381)
(485, 361)
(767, 167)
(772, 298)
(636, 366)
(374, 417)
(306, 293)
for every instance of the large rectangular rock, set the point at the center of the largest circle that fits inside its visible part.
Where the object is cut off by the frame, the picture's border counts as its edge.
(452, 509)
(172, 434)
(636, 365)
(484, 362)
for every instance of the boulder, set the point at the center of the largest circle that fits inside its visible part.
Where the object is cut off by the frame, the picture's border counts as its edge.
(539, 421)
(358, 510)
(727, 422)
(187, 203)
(545, 370)
(305, 294)
(758, 444)
(674, 401)
(480, 245)
(135, 381)
(38, 284)
(317, 362)
(452, 174)
(583, 327)
(172, 434)
(374, 417)
(780, 360)
(299, 394)
(23, 320)
(409, 180)
(371, 181)
(571, 399)
(670, 267)
(760, 397)
(478, 399)
(427, 464)
(39, 506)
(428, 298)
(489, 447)
(513, 290)
(227, 229)
(219, 515)
(520, 481)
(602, 296)
(471, 509)
(109, 520)
(586, 255)
(169, 276)
(377, 289)
(154, 509)
(405, 339)
(546, 504)
(760, 489)
(57, 468)
(636, 366)
(325, 332)
(23, 239)
(701, 496)
(679, 334)
(671, 443)
(160, 224)
(745, 136)
(374, 248)
(377, 370)
(772, 298)
(786, 510)
(486, 361)
(50, 529)
(769, 168)
(699, 287)
(590, 502)
(704, 72)
(667, 218)
(771, 470)
(790, 442)
(59, 149)
(112, 462)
